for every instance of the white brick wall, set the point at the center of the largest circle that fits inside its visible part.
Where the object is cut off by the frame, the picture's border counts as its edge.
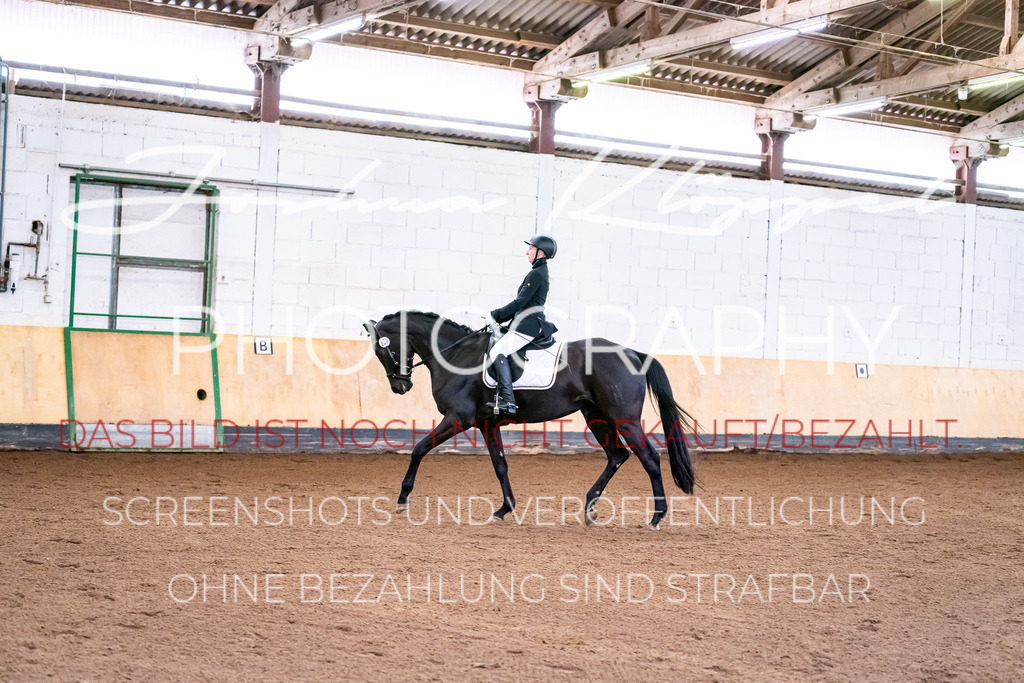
(869, 262)
(997, 323)
(440, 227)
(639, 241)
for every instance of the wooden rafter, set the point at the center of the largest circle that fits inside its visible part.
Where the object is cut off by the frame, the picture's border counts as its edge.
(910, 84)
(274, 14)
(595, 29)
(1006, 131)
(284, 19)
(958, 16)
(1011, 27)
(846, 60)
(698, 38)
(651, 28)
(676, 23)
(980, 126)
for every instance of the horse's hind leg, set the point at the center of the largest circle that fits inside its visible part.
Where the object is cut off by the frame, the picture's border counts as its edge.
(633, 434)
(492, 437)
(602, 429)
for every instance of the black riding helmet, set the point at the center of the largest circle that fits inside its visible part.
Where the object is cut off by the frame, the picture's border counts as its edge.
(545, 243)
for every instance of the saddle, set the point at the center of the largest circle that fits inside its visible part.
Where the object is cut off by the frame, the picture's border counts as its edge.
(534, 366)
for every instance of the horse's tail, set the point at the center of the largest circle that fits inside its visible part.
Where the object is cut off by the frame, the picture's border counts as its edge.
(674, 419)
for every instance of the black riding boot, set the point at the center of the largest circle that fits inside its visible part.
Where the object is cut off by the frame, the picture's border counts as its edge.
(506, 402)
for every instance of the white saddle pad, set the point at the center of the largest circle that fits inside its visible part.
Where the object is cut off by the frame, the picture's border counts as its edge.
(539, 371)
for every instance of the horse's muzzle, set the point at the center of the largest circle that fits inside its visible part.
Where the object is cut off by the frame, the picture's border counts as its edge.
(401, 386)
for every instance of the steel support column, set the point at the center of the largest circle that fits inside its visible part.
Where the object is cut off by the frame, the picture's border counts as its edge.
(966, 191)
(267, 107)
(773, 128)
(542, 127)
(966, 156)
(268, 56)
(772, 154)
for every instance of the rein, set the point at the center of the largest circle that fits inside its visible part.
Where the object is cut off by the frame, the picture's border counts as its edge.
(407, 375)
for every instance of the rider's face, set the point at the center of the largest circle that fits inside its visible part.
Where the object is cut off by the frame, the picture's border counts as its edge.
(531, 253)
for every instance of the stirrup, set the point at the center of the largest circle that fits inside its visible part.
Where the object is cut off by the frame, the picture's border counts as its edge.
(501, 407)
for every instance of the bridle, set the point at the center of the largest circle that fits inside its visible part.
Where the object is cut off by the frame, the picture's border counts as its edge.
(400, 371)
(398, 374)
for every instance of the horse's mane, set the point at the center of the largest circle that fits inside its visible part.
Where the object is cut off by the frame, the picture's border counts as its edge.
(458, 327)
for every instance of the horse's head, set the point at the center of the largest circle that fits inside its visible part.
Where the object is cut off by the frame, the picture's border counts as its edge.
(387, 345)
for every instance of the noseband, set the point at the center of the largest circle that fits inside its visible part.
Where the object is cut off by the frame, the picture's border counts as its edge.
(385, 343)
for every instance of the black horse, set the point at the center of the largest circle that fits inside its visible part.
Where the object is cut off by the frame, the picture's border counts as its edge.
(609, 391)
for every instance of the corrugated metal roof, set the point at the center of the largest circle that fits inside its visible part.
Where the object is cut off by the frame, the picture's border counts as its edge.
(452, 39)
(515, 34)
(559, 17)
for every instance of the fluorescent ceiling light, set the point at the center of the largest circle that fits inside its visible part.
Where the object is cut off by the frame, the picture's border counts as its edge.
(994, 79)
(850, 107)
(787, 31)
(329, 30)
(616, 72)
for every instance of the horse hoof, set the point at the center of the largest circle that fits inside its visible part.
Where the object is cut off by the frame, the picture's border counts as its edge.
(652, 527)
(496, 518)
(402, 509)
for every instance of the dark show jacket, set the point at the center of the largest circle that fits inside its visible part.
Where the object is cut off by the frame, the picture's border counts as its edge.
(532, 294)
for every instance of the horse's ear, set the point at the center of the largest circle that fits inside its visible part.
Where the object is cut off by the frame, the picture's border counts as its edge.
(370, 328)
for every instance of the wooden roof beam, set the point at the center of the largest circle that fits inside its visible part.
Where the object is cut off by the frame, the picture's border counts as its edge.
(889, 33)
(1011, 27)
(1006, 131)
(697, 38)
(272, 17)
(911, 84)
(599, 26)
(676, 23)
(284, 19)
(980, 126)
(958, 16)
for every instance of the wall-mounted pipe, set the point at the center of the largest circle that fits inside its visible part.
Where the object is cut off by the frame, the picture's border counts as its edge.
(5, 98)
(220, 181)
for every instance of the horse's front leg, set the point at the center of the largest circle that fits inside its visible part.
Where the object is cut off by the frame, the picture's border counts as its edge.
(492, 437)
(441, 433)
